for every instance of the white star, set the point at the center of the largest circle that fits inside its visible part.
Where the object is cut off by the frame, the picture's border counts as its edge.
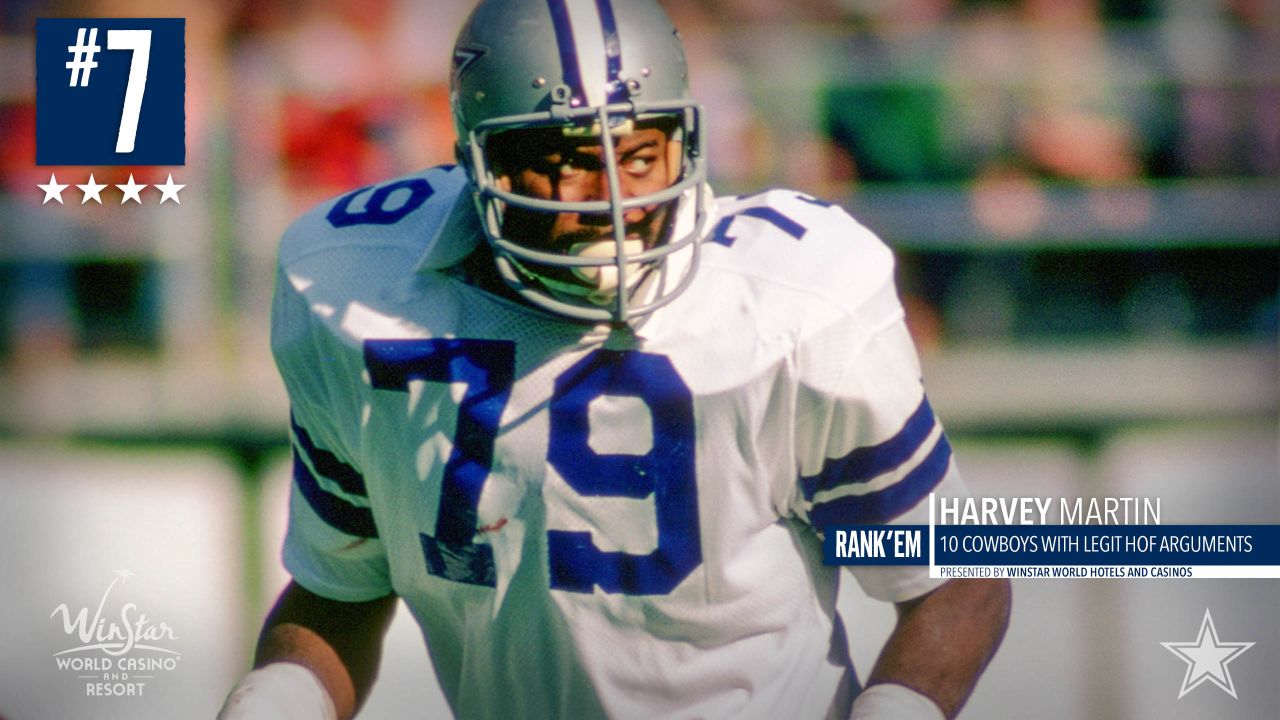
(92, 190)
(132, 190)
(124, 575)
(1207, 658)
(52, 191)
(169, 190)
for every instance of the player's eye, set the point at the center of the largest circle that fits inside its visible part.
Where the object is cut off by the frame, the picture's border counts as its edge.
(548, 165)
(569, 167)
(639, 165)
(566, 166)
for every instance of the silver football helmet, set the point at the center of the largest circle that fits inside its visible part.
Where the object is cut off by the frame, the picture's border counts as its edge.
(595, 69)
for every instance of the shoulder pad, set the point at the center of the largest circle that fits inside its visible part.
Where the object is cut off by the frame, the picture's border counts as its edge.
(407, 212)
(795, 240)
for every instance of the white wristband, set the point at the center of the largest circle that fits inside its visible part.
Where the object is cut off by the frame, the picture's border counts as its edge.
(279, 691)
(888, 701)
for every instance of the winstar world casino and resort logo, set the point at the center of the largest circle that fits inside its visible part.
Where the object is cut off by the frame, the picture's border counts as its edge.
(121, 650)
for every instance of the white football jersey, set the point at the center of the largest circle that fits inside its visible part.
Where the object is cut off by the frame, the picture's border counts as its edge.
(594, 522)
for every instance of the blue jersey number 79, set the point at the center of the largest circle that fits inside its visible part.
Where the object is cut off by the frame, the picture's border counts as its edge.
(666, 472)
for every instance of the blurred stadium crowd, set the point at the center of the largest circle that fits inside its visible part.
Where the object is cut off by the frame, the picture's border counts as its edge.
(1046, 168)
(1082, 195)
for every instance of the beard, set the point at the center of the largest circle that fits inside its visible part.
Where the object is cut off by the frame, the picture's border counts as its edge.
(591, 236)
(537, 230)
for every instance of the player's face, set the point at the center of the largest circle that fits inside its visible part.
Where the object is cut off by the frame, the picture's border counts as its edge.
(549, 166)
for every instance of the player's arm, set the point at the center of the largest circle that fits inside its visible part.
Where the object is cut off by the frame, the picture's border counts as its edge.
(341, 642)
(339, 645)
(942, 641)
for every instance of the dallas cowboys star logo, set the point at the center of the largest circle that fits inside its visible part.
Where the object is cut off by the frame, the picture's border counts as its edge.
(464, 55)
(1207, 658)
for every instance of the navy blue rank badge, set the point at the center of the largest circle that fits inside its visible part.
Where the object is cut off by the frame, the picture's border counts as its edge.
(111, 91)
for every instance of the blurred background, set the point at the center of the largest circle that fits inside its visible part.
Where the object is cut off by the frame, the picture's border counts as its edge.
(1083, 196)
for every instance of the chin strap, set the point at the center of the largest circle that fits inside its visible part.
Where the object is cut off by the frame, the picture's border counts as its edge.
(588, 292)
(596, 284)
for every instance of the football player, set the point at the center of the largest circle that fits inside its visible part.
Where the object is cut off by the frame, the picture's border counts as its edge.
(589, 421)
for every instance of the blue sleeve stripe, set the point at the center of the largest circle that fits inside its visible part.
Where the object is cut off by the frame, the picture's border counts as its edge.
(882, 506)
(338, 513)
(867, 463)
(328, 464)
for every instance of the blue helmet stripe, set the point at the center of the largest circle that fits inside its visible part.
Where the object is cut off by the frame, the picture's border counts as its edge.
(612, 48)
(568, 49)
(575, 27)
